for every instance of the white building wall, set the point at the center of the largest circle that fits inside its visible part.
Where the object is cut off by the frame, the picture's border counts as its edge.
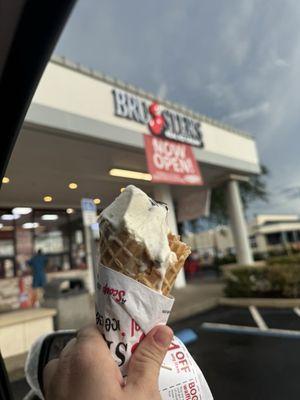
(201, 241)
(261, 243)
(223, 238)
(229, 144)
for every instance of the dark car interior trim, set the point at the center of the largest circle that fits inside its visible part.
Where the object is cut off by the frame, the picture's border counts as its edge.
(25, 49)
(29, 30)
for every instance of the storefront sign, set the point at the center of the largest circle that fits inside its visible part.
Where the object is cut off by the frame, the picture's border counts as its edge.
(89, 212)
(171, 162)
(166, 123)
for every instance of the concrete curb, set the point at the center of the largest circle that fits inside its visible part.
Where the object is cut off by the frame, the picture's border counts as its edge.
(192, 309)
(268, 302)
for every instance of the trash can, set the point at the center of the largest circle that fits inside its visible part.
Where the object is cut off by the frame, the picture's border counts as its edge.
(71, 300)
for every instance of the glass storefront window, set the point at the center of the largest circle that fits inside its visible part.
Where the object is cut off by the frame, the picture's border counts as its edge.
(52, 236)
(49, 242)
(77, 241)
(23, 242)
(7, 246)
(58, 234)
(274, 238)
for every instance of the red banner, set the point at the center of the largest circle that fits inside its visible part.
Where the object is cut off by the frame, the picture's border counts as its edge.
(171, 162)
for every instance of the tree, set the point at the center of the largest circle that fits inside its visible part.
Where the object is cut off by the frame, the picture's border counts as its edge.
(254, 189)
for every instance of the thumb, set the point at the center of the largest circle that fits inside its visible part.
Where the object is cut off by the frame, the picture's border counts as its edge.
(146, 361)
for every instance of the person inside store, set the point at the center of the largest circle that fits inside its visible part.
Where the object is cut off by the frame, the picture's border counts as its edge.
(38, 264)
(87, 370)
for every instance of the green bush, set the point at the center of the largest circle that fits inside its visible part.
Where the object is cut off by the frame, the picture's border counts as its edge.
(284, 252)
(286, 260)
(263, 281)
(245, 281)
(285, 279)
(259, 256)
(230, 259)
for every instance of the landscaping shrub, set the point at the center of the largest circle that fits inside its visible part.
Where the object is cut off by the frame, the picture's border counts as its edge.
(263, 281)
(286, 260)
(245, 281)
(230, 259)
(259, 256)
(285, 279)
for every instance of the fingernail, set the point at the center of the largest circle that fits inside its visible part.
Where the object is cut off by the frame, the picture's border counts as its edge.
(163, 336)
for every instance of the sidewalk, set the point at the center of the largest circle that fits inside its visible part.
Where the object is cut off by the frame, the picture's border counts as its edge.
(194, 298)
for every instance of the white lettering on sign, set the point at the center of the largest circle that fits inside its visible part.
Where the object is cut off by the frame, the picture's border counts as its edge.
(165, 123)
(130, 106)
(171, 162)
(170, 156)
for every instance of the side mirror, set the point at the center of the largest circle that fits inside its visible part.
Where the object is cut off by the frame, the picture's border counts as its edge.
(44, 350)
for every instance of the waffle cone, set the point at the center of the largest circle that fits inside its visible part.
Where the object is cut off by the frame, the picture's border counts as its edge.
(119, 251)
(182, 252)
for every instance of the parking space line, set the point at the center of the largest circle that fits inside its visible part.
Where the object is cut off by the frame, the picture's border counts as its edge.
(249, 330)
(297, 311)
(258, 318)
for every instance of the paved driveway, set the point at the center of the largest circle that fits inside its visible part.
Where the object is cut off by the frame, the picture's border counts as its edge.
(247, 353)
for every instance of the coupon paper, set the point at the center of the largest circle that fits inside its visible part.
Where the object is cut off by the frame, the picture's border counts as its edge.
(126, 311)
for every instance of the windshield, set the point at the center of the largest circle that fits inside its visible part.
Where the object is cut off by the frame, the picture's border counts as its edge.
(194, 103)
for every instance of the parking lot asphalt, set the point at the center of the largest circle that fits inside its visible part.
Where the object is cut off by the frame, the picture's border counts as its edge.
(248, 367)
(244, 354)
(239, 365)
(285, 318)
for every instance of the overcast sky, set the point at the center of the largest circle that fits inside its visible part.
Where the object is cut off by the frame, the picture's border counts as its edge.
(236, 60)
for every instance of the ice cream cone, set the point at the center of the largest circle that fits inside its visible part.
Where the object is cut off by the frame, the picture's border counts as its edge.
(119, 251)
(182, 251)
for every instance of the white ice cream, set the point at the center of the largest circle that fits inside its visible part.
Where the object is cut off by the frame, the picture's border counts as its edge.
(144, 219)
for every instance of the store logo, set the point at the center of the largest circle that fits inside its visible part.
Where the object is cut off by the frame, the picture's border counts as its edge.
(116, 294)
(157, 121)
(166, 123)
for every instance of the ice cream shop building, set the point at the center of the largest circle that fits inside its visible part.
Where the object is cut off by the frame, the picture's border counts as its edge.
(87, 136)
